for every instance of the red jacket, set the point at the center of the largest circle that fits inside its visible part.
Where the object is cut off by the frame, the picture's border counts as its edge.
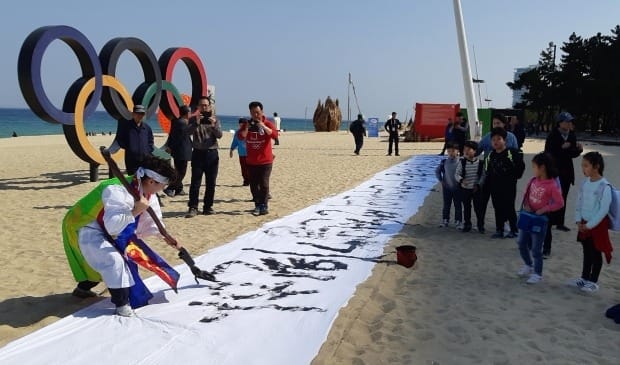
(600, 237)
(258, 144)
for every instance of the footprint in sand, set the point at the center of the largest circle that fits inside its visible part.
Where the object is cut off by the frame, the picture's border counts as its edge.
(388, 306)
(425, 335)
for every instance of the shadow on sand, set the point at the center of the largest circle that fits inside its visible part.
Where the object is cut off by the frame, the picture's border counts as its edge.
(26, 311)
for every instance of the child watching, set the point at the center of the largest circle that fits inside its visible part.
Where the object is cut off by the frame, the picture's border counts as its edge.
(446, 174)
(502, 168)
(542, 196)
(240, 146)
(468, 173)
(591, 218)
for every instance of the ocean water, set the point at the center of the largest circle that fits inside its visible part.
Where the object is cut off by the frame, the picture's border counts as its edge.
(25, 123)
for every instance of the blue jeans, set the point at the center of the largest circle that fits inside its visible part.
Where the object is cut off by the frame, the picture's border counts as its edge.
(531, 246)
(452, 197)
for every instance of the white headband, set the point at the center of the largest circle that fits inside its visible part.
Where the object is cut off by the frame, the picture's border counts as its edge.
(141, 172)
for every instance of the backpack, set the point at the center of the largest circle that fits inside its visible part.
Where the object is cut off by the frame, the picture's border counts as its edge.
(614, 207)
(515, 157)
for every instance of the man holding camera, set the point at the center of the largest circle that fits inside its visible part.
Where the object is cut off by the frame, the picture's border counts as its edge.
(205, 130)
(258, 138)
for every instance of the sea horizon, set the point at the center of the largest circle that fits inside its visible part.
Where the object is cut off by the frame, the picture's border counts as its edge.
(24, 122)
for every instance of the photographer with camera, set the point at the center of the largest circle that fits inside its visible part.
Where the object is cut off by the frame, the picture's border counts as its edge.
(205, 130)
(258, 138)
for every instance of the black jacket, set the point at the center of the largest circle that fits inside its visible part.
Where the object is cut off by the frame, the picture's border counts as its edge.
(137, 141)
(357, 128)
(563, 157)
(392, 126)
(179, 140)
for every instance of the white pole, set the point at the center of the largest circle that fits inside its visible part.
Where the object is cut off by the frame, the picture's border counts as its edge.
(468, 84)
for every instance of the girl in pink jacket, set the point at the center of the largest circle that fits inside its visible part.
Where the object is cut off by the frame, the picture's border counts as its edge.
(542, 196)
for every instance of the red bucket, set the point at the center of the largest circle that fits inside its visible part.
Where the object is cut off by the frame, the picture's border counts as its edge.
(405, 255)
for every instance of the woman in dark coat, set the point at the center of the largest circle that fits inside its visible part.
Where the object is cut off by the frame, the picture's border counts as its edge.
(562, 144)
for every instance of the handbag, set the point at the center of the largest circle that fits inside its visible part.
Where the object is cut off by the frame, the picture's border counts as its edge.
(531, 222)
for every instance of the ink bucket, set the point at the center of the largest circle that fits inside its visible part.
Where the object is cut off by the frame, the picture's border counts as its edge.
(405, 255)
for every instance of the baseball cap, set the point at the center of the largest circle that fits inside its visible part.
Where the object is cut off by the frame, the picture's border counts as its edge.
(139, 109)
(564, 117)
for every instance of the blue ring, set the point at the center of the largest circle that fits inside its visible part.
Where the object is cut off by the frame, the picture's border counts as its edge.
(29, 71)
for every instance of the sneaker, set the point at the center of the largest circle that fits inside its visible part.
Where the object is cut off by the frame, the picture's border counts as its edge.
(263, 210)
(83, 293)
(546, 255)
(577, 283)
(512, 235)
(256, 211)
(208, 211)
(563, 228)
(169, 193)
(589, 287)
(534, 279)
(524, 271)
(444, 223)
(125, 311)
(466, 228)
(180, 193)
(459, 225)
(192, 213)
(498, 234)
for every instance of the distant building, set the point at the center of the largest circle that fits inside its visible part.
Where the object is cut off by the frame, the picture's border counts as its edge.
(518, 94)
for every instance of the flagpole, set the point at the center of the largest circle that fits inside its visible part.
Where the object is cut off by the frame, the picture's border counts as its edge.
(468, 84)
(348, 98)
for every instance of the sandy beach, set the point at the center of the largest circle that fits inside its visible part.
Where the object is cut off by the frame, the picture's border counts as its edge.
(461, 303)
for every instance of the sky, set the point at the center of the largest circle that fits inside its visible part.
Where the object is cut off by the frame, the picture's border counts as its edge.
(291, 54)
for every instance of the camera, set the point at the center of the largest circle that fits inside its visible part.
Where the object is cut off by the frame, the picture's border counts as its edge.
(205, 115)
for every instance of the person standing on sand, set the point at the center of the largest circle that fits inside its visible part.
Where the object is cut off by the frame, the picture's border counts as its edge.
(446, 174)
(561, 144)
(468, 173)
(136, 138)
(206, 130)
(542, 196)
(447, 136)
(258, 138)
(358, 130)
(392, 126)
(179, 145)
(238, 144)
(502, 168)
(276, 122)
(459, 131)
(591, 217)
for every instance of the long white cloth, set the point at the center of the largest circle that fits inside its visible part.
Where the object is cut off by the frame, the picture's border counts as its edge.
(280, 288)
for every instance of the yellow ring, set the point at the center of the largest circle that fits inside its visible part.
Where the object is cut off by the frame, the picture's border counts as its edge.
(80, 105)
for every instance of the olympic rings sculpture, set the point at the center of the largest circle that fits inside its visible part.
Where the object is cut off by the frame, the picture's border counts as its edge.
(98, 83)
